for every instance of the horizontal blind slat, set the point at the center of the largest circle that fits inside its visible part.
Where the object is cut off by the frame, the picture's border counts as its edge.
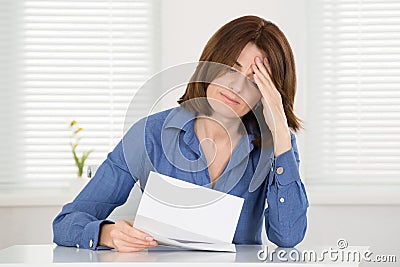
(82, 60)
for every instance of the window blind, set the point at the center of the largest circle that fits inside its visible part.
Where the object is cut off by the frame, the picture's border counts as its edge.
(81, 60)
(9, 94)
(353, 119)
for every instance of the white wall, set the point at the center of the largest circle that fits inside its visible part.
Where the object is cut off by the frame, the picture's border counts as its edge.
(26, 224)
(186, 27)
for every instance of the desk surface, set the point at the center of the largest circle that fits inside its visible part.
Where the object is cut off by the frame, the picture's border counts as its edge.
(159, 256)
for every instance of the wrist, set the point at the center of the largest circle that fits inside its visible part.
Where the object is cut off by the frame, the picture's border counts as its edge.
(105, 236)
(282, 141)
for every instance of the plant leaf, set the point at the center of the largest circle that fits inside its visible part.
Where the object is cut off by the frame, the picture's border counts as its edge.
(78, 130)
(75, 158)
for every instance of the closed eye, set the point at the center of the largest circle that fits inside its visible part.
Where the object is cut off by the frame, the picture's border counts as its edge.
(252, 83)
(233, 70)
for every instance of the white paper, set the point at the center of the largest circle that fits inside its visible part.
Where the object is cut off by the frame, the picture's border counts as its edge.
(181, 214)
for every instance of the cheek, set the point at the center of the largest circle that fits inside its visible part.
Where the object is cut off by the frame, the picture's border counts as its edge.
(252, 99)
(211, 91)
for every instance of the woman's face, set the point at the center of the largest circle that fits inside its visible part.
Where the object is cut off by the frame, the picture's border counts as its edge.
(235, 93)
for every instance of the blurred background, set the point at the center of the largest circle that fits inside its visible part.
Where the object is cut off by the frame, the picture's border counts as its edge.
(84, 60)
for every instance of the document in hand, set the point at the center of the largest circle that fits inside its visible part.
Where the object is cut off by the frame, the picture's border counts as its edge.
(181, 214)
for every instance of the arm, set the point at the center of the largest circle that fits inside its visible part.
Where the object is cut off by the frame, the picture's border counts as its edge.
(286, 215)
(83, 222)
(79, 222)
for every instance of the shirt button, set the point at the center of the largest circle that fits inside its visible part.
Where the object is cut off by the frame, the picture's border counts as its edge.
(282, 200)
(91, 243)
(279, 170)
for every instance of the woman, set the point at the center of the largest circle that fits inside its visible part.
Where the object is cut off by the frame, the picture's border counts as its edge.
(229, 120)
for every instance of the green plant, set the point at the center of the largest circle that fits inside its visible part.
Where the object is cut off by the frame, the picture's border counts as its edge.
(74, 142)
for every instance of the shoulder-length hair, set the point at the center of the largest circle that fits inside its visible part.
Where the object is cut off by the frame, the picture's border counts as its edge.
(225, 47)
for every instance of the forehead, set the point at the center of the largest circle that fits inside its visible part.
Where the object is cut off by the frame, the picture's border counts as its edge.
(249, 52)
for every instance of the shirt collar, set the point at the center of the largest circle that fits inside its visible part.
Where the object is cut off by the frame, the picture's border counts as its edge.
(179, 118)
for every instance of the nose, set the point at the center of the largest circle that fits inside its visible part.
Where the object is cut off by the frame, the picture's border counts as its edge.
(237, 83)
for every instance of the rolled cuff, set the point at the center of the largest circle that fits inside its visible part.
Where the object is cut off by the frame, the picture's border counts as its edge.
(90, 235)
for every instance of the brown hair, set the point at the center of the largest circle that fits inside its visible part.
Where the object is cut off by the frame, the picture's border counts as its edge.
(225, 47)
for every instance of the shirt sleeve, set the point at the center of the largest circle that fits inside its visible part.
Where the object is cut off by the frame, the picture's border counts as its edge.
(78, 224)
(286, 214)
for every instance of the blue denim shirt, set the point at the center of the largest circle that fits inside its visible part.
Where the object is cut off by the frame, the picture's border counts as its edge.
(166, 143)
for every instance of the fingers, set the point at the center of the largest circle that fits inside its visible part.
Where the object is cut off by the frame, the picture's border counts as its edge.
(268, 67)
(129, 230)
(262, 70)
(260, 65)
(263, 79)
(126, 238)
(122, 246)
(263, 84)
(133, 240)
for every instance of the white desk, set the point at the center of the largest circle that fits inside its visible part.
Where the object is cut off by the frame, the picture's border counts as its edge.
(42, 255)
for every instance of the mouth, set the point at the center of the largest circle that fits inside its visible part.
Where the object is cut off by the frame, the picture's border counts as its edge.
(229, 100)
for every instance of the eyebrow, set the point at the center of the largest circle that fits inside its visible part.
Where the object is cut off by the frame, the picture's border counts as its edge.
(237, 63)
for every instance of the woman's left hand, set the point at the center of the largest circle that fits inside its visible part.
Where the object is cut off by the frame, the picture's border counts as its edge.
(274, 112)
